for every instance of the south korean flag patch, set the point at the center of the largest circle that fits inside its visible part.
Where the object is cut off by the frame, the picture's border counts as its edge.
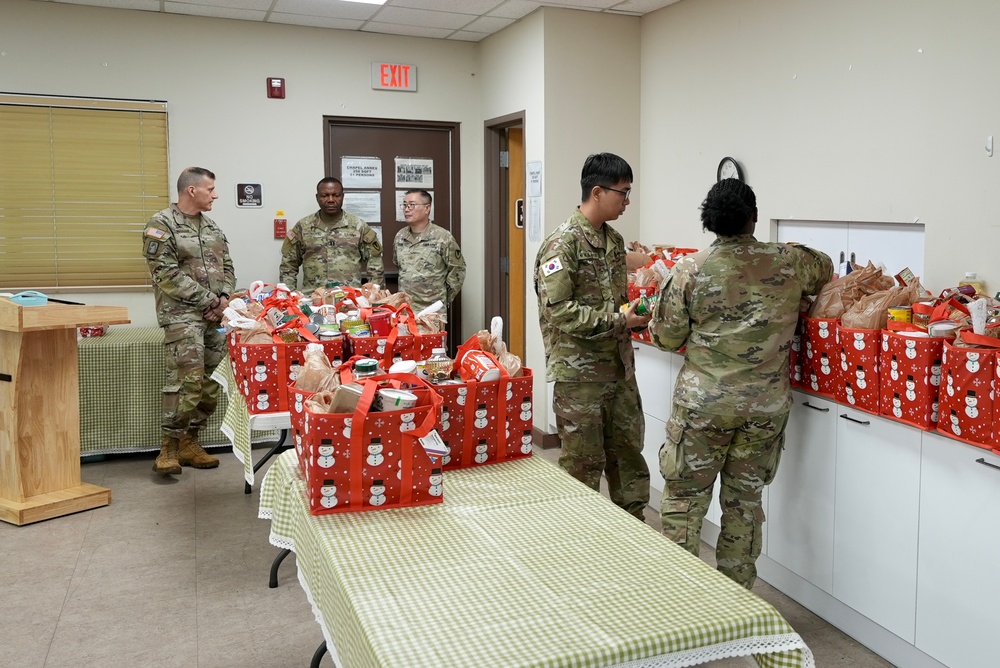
(552, 266)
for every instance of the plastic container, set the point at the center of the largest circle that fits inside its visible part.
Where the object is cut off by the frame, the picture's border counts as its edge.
(438, 366)
(391, 399)
(478, 366)
(365, 368)
(353, 319)
(970, 280)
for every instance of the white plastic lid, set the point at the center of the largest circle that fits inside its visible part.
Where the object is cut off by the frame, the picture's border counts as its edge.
(438, 351)
(970, 274)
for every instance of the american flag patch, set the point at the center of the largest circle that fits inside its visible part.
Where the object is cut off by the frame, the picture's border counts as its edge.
(155, 233)
(552, 266)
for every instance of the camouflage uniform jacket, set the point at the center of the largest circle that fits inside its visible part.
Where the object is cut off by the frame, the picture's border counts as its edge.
(338, 251)
(189, 262)
(581, 280)
(735, 305)
(431, 265)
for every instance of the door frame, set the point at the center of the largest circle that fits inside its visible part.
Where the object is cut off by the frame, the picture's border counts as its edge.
(496, 298)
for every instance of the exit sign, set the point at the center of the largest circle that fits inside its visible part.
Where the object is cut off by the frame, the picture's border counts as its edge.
(394, 76)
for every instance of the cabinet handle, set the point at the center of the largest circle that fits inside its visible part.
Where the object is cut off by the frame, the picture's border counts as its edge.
(815, 408)
(986, 463)
(848, 417)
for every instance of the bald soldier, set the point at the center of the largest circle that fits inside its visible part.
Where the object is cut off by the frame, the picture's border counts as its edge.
(580, 280)
(331, 245)
(188, 259)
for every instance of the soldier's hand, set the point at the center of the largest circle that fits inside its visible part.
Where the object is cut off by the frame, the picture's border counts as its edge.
(634, 321)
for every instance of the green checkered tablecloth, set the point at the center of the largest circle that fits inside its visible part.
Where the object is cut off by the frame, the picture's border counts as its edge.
(240, 426)
(121, 384)
(521, 565)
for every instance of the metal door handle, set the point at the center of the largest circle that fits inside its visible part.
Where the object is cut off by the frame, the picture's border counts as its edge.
(519, 215)
(815, 408)
(986, 463)
(848, 417)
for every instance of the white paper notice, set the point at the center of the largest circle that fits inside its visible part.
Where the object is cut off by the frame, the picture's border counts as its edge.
(358, 172)
(364, 205)
(415, 173)
(534, 219)
(535, 179)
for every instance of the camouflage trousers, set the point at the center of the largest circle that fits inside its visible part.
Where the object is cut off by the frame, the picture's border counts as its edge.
(601, 429)
(746, 453)
(192, 350)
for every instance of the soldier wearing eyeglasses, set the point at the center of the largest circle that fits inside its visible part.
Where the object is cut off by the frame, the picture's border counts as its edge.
(581, 279)
(431, 266)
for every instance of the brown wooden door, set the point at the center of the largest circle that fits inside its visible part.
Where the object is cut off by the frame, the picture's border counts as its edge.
(515, 240)
(390, 140)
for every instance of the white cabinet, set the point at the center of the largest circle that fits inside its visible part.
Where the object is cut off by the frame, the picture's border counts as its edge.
(895, 245)
(653, 439)
(800, 510)
(957, 585)
(877, 495)
(655, 373)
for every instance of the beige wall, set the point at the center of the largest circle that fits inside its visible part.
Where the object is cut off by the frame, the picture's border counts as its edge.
(212, 73)
(845, 111)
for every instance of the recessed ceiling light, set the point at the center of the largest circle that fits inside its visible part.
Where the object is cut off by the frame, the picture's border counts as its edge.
(368, 2)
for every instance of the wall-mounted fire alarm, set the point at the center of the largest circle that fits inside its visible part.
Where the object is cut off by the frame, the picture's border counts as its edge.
(276, 88)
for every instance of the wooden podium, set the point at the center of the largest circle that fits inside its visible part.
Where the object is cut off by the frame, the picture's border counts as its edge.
(40, 410)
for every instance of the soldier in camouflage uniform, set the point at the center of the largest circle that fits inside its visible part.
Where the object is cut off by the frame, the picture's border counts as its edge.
(431, 266)
(188, 259)
(331, 245)
(735, 306)
(580, 280)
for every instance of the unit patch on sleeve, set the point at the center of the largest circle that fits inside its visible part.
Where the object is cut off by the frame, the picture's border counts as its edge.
(152, 248)
(552, 266)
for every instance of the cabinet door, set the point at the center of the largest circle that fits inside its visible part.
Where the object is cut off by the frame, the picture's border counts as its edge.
(653, 439)
(957, 585)
(875, 526)
(800, 508)
(655, 373)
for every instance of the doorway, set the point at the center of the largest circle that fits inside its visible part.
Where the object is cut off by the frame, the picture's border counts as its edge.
(504, 234)
(384, 158)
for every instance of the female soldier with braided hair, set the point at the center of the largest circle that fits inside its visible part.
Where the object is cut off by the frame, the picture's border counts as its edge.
(734, 305)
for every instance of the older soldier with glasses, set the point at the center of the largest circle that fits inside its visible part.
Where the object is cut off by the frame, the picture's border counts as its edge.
(431, 266)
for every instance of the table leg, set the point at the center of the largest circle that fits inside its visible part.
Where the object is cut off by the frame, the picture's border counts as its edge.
(273, 582)
(318, 655)
(276, 449)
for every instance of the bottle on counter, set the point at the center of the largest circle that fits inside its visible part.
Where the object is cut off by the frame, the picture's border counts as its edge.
(971, 281)
(438, 366)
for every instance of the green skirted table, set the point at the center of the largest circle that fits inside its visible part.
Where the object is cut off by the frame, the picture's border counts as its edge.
(521, 565)
(121, 384)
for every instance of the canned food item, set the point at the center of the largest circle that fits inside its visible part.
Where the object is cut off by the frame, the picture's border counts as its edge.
(379, 322)
(943, 329)
(478, 365)
(901, 313)
(922, 314)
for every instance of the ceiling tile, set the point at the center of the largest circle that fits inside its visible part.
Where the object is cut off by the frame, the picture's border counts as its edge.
(422, 18)
(215, 12)
(488, 24)
(330, 8)
(147, 5)
(466, 36)
(477, 7)
(413, 31)
(315, 21)
(515, 9)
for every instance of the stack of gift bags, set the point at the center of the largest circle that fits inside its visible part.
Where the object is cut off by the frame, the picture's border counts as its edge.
(370, 436)
(934, 368)
(647, 267)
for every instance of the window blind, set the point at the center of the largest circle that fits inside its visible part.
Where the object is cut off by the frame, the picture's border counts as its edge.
(79, 178)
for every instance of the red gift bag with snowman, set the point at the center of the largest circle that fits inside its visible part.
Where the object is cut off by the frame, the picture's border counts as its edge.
(910, 378)
(820, 368)
(372, 459)
(967, 394)
(858, 360)
(261, 376)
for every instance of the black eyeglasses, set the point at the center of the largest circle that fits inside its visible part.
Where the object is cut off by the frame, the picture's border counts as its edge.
(412, 205)
(624, 193)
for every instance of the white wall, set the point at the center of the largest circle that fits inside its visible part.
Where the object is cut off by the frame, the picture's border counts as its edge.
(849, 110)
(212, 74)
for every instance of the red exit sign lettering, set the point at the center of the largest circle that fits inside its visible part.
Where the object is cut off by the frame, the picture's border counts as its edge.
(394, 76)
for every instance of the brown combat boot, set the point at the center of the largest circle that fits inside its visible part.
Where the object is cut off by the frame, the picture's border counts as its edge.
(191, 453)
(166, 462)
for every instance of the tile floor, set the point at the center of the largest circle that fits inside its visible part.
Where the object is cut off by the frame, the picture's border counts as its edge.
(174, 573)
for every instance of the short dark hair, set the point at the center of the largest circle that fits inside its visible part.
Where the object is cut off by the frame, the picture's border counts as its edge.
(332, 180)
(423, 193)
(728, 207)
(603, 169)
(192, 176)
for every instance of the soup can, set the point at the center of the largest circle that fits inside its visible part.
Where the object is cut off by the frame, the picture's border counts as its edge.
(380, 323)
(901, 313)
